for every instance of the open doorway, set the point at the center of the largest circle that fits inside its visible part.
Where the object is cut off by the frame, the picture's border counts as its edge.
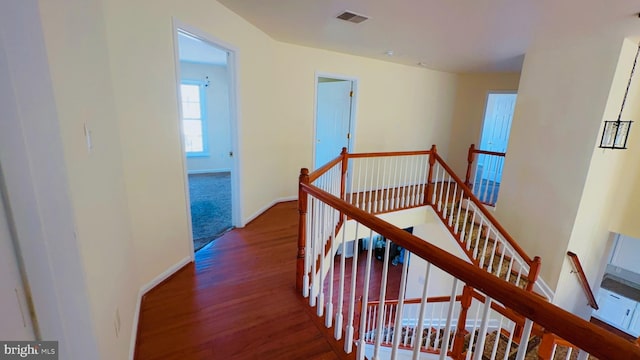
(335, 115)
(206, 94)
(494, 139)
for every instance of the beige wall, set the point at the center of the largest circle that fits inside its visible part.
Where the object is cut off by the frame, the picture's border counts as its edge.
(79, 65)
(468, 112)
(627, 202)
(563, 93)
(590, 238)
(399, 107)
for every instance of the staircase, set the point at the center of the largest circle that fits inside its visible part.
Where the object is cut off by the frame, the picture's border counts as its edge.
(500, 340)
(481, 246)
(498, 293)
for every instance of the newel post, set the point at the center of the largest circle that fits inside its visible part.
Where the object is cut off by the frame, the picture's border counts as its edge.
(461, 332)
(545, 350)
(534, 271)
(343, 178)
(428, 194)
(470, 159)
(302, 227)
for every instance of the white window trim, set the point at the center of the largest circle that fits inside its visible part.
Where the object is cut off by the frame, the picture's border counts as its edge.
(203, 119)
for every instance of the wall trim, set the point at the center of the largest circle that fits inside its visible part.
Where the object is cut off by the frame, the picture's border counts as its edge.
(268, 206)
(207, 171)
(145, 289)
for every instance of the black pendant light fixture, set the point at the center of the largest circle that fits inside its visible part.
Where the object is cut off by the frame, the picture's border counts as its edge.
(616, 133)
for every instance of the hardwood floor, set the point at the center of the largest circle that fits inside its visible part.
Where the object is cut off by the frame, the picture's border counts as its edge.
(236, 302)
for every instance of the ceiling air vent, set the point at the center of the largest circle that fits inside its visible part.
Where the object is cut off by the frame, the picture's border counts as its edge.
(352, 17)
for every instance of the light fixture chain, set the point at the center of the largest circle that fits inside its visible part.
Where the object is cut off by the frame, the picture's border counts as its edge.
(626, 92)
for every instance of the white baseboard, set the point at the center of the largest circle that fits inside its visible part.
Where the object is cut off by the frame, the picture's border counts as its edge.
(207, 171)
(143, 290)
(266, 207)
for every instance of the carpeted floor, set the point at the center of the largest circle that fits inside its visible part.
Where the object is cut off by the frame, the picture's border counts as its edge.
(210, 206)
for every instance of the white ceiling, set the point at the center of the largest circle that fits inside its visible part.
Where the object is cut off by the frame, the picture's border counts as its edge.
(448, 35)
(195, 50)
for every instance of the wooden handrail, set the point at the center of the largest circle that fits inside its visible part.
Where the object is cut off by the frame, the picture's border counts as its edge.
(487, 152)
(589, 337)
(484, 211)
(434, 299)
(582, 279)
(471, 157)
(324, 168)
(385, 154)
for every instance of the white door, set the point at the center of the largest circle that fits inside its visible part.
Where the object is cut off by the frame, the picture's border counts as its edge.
(333, 119)
(495, 131)
(16, 323)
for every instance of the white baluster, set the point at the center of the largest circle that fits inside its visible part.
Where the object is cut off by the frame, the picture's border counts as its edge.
(339, 316)
(423, 304)
(397, 331)
(473, 330)
(393, 183)
(370, 197)
(494, 350)
(332, 269)
(388, 162)
(447, 328)
(569, 351)
(412, 181)
(348, 343)
(493, 252)
(509, 341)
(314, 252)
(383, 293)
(524, 342)
(365, 294)
(465, 221)
(482, 334)
(322, 242)
(453, 203)
(457, 224)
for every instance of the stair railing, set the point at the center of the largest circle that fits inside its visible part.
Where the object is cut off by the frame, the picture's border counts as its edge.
(386, 182)
(352, 283)
(432, 328)
(582, 279)
(484, 169)
(477, 231)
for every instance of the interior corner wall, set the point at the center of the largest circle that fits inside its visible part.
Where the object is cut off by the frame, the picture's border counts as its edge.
(399, 107)
(624, 217)
(218, 126)
(590, 238)
(468, 113)
(563, 93)
(52, 240)
(77, 55)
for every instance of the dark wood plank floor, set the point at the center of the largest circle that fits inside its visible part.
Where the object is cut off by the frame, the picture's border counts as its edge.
(236, 302)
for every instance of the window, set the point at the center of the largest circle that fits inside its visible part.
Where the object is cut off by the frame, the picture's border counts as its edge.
(193, 123)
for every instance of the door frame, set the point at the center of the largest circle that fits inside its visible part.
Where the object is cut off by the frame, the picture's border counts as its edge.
(234, 115)
(352, 119)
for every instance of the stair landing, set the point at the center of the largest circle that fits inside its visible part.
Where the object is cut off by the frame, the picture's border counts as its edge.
(237, 301)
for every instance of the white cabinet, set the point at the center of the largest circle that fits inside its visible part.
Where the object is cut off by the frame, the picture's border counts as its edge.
(615, 309)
